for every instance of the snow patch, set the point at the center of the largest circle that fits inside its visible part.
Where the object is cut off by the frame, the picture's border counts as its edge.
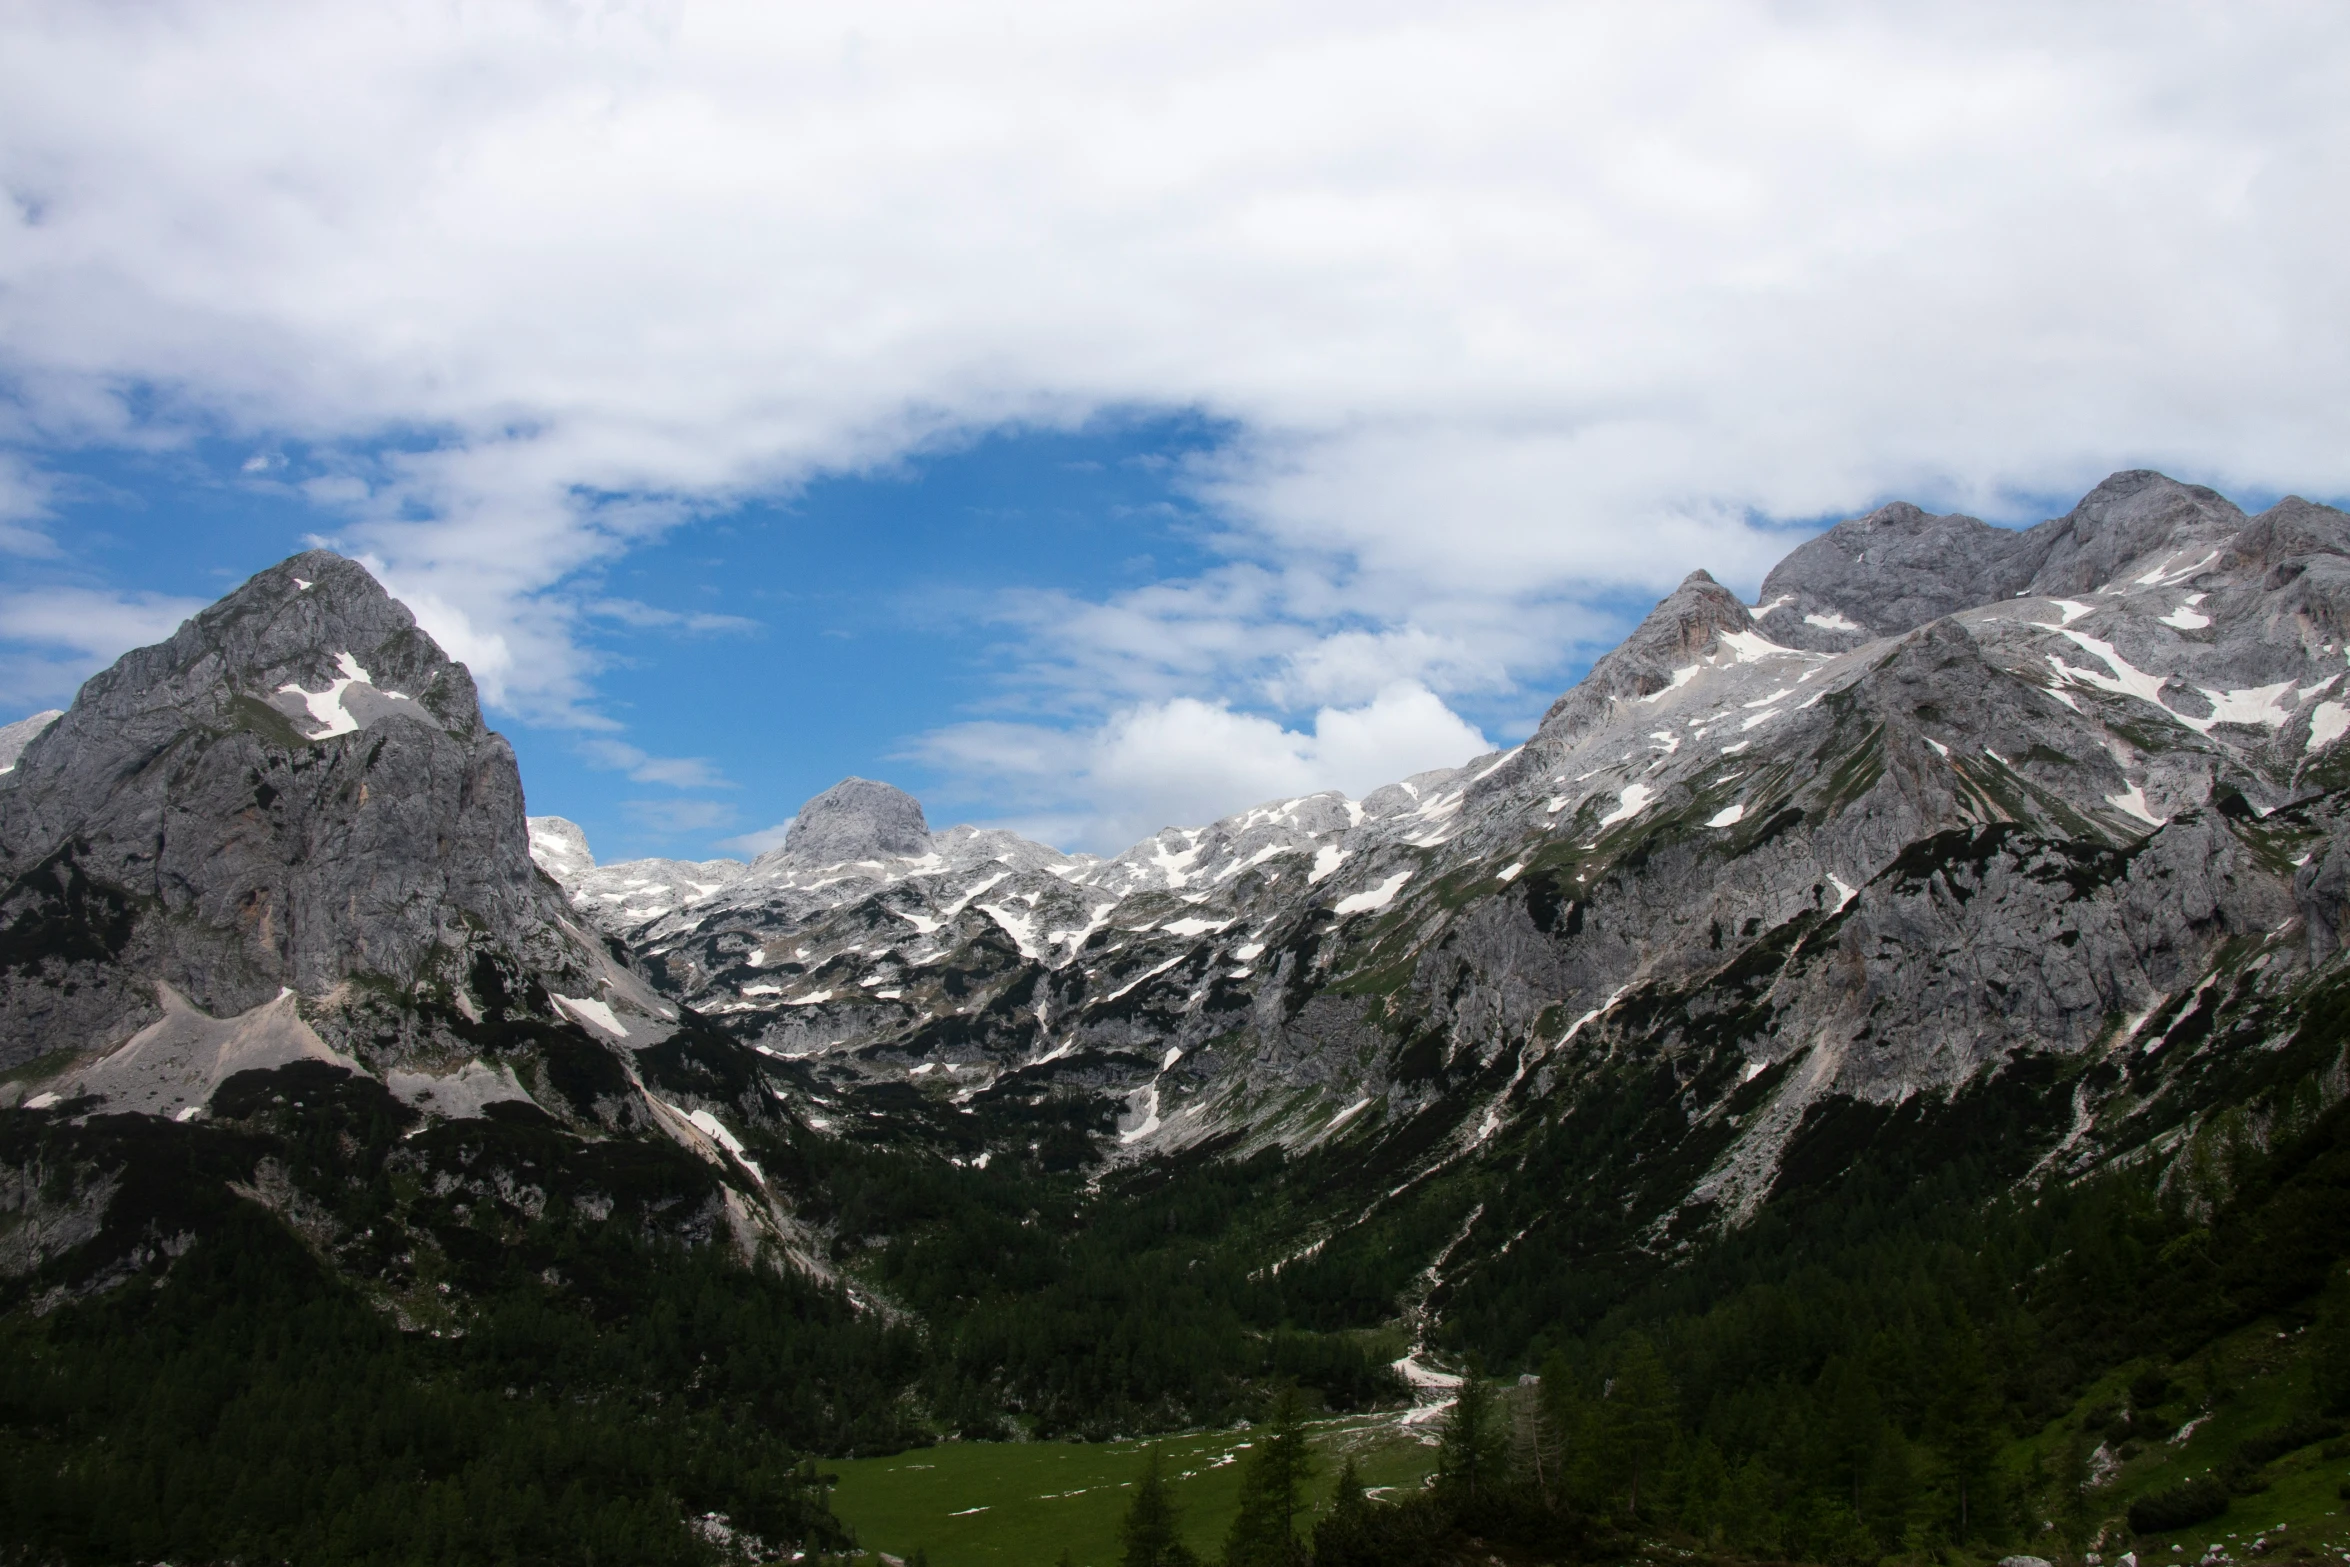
(1729, 817)
(328, 709)
(1510, 872)
(595, 1014)
(1751, 646)
(2133, 800)
(1326, 859)
(2185, 619)
(2329, 723)
(1831, 621)
(2255, 705)
(1149, 1123)
(2162, 576)
(1681, 677)
(1629, 804)
(1374, 898)
(1019, 927)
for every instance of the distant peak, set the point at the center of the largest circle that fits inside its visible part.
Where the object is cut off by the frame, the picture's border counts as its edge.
(559, 847)
(1685, 624)
(856, 819)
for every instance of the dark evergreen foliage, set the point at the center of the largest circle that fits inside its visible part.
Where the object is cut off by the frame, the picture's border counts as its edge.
(1152, 1533)
(1273, 1497)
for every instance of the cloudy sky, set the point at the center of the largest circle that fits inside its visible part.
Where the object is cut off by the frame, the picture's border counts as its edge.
(1092, 416)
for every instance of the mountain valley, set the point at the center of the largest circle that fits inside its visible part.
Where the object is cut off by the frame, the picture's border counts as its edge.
(1877, 1052)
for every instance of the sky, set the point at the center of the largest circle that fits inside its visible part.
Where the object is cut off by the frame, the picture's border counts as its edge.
(1096, 418)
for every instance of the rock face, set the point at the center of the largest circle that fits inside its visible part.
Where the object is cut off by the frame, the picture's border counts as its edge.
(856, 819)
(2056, 818)
(1954, 798)
(15, 737)
(278, 861)
(294, 790)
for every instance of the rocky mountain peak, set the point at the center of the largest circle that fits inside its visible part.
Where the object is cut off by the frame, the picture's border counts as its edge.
(1888, 572)
(855, 819)
(2131, 515)
(560, 847)
(1687, 624)
(295, 788)
(15, 737)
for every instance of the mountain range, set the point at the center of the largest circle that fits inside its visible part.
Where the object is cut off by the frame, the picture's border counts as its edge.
(1968, 860)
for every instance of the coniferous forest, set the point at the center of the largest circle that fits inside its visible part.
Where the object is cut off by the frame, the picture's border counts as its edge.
(1891, 1367)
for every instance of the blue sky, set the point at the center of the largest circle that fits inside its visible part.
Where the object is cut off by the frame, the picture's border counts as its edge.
(1097, 418)
(761, 652)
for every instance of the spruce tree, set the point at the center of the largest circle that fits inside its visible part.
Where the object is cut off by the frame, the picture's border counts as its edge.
(2329, 1362)
(1637, 1421)
(1558, 1419)
(1272, 1493)
(1348, 1535)
(1153, 1529)
(1471, 1457)
(1964, 1425)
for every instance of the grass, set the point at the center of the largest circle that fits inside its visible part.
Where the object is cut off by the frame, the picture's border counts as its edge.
(1013, 1504)
(2263, 1383)
(41, 1068)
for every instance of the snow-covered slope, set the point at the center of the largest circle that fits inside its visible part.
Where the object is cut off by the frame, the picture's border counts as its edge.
(1950, 793)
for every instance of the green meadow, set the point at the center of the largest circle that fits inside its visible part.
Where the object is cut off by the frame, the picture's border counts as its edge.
(1011, 1504)
(2254, 1381)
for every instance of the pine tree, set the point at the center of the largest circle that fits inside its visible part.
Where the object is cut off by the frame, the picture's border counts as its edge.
(1558, 1418)
(1153, 1528)
(1347, 1536)
(1963, 1425)
(1638, 1426)
(1272, 1493)
(2329, 1365)
(1856, 1426)
(1472, 1455)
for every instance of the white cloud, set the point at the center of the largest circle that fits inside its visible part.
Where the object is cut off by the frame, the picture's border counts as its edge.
(672, 817)
(754, 844)
(1516, 305)
(679, 772)
(1186, 762)
(25, 494)
(53, 639)
(651, 617)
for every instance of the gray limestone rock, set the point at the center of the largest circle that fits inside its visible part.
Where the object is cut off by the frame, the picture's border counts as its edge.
(15, 737)
(855, 819)
(1692, 619)
(1878, 862)
(293, 790)
(1880, 575)
(1954, 797)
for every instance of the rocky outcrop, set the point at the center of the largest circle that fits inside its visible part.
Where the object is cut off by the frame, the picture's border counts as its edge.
(1955, 796)
(855, 819)
(15, 737)
(293, 792)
